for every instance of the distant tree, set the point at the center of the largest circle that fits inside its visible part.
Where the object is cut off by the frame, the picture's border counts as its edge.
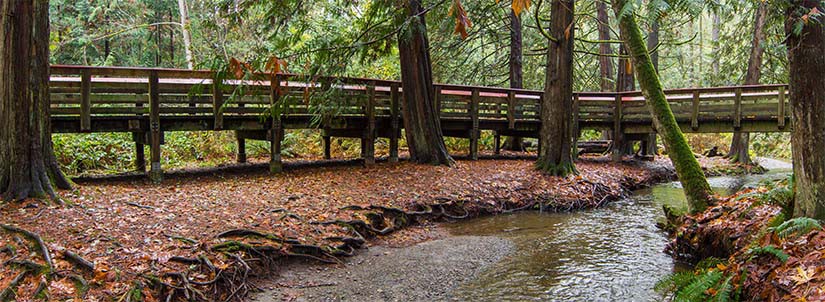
(28, 167)
(806, 55)
(516, 75)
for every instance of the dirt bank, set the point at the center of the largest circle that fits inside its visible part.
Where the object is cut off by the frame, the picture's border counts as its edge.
(206, 236)
(425, 272)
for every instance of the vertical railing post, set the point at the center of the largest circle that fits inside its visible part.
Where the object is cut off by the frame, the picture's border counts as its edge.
(85, 100)
(497, 144)
(694, 116)
(474, 133)
(394, 122)
(369, 135)
(217, 102)
(575, 128)
(327, 141)
(780, 110)
(511, 110)
(241, 156)
(737, 109)
(618, 139)
(155, 172)
(275, 127)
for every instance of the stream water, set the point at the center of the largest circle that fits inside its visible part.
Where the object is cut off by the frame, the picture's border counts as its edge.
(614, 253)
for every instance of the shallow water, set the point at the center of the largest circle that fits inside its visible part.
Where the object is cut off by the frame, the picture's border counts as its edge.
(609, 254)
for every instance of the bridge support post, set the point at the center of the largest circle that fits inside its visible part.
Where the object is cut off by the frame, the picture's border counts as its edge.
(155, 171)
(649, 145)
(618, 139)
(275, 137)
(368, 141)
(241, 156)
(474, 132)
(140, 156)
(327, 146)
(394, 122)
(497, 144)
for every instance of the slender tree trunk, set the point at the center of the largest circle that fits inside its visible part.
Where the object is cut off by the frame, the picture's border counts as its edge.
(605, 49)
(716, 32)
(514, 143)
(555, 156)
(187, 38)
(28, 167)
(740, 144)
(653, 42)
(690, 174)
(806, 56)
(421, 117)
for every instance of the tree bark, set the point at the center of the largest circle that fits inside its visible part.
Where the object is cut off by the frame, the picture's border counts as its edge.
(555, 155)
(806, 57)
(187, 38)
(605, 49)
(514, 143)
(740, 144)
(421, 117)
(653, 42)
(28, 167)
(697, 190)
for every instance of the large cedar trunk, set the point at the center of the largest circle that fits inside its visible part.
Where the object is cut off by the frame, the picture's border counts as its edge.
(739, 146)
(697, 190)
(806, 56)
(605, 49)
(421, 118)
(555, 155)
(516, 73)
(28, 167)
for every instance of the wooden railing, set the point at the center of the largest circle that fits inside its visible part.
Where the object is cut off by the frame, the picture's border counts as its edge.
(150, 101)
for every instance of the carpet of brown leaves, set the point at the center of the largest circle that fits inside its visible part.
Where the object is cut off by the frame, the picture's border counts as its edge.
(132, 229)
(729, 230)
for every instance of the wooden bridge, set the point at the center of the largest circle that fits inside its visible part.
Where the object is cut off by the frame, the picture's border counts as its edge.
(148, 102)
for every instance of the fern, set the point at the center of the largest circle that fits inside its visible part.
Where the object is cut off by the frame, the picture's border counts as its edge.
(723, 293)
(708, 263)
(768, 250)
(674, 282)
(695, 291)
(797, 226)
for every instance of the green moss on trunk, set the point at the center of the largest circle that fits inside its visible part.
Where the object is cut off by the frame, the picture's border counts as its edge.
(693, 180)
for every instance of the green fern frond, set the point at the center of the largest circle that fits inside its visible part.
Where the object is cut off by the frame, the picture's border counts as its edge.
(797, 226)
(696, 290)
(708, 263)
(769, 250)
(674, 282)
(723, 293)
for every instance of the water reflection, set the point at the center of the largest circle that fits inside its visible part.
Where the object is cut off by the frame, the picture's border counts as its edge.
(608, 254)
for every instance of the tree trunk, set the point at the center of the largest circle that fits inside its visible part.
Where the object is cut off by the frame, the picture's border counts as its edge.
(716, 32)
(740, 144)
(806, 57)
(653, 42)
(690, 174)
(421, 117)
(605, 49)
(514, 143)
(28, 167)
(187, 38)
(555, 155)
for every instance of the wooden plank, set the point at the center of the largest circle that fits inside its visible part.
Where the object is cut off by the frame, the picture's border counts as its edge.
(155, 172)
(85, 101)
(694, 120)
(780, 112)
(394, 122)
(737, 109)
(474, 132)
(217, 103)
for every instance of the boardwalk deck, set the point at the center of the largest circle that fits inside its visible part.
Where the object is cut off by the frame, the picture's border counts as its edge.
(148, 102)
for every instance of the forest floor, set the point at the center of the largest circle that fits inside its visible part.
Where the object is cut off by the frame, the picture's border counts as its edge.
(207, 234)
(748, 248)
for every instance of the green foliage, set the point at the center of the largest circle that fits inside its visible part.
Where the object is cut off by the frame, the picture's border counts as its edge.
(768, 250)
(697, 289)
(797, 226)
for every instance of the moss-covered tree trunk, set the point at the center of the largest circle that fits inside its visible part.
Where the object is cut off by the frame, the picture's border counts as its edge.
(555, 156)
(421, 117)
(514, 143)
(28, 167)
(740, 144)
(690, 174)
(806, 57)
